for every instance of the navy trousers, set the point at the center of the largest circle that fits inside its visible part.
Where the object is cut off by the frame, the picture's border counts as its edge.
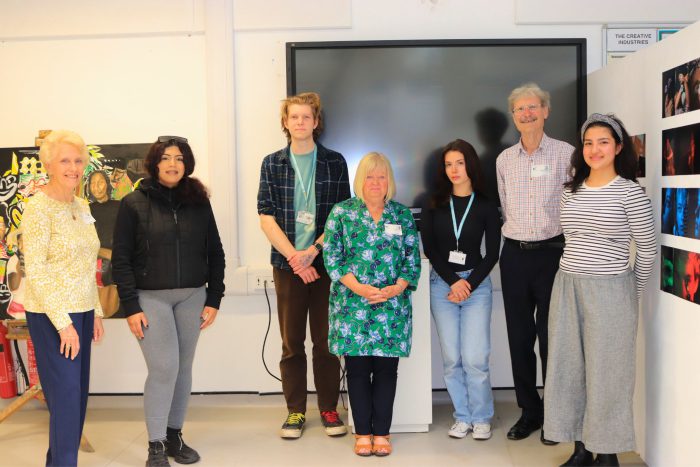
(65, 383)
(371, 388)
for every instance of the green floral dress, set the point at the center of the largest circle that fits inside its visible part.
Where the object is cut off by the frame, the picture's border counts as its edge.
(377, 254)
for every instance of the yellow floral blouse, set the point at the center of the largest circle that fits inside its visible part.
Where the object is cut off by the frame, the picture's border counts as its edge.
(60, 254)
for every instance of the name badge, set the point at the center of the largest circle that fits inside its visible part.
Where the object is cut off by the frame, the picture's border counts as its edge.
(540, 170)
(305, 217)
(457, 257)
(87, 218)
(392, 229)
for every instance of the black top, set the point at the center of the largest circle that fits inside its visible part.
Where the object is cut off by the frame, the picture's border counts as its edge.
(105, 215)
(163, 242)
(438, 237)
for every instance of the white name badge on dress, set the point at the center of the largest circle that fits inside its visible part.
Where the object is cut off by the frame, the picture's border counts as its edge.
(540, 170)
(87, 218)
(392, 229)
(457, 257)
(305, 217)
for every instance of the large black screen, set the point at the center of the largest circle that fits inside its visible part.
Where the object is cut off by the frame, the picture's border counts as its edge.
(407, 99)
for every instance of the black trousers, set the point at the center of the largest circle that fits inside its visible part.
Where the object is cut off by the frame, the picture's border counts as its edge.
(526, 279)
(372, 387)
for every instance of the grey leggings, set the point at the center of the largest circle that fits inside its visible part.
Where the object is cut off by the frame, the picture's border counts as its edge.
(168, 347)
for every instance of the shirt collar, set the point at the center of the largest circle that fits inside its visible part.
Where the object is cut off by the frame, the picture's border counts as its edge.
(544, 143)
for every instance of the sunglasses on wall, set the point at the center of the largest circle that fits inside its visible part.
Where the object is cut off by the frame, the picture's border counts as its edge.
(167, 139)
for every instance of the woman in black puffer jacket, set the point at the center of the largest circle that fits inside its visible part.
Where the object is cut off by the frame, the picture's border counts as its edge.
(168, 264)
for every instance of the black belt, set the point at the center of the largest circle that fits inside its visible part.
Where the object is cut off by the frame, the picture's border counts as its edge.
(554, 242)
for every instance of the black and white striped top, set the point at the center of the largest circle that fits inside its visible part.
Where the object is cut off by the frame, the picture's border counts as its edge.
(598, 224)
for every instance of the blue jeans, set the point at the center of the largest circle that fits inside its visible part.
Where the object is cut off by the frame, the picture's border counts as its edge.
(465, 338)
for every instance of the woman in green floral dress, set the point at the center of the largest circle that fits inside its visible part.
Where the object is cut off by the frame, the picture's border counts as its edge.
(372, 257)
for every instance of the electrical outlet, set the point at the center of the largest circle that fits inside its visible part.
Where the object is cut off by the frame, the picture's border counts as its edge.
(261, 281)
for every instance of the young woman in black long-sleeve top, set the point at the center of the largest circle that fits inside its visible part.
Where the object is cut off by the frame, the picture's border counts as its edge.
(453, 225)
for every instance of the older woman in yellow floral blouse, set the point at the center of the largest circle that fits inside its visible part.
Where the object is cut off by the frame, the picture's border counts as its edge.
(63, 309)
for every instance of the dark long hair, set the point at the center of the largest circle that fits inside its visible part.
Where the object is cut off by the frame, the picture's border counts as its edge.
(625, 162)
(88, 190)
(443, 185)
(190, 190)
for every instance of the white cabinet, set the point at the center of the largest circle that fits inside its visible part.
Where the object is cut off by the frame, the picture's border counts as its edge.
(413, 406)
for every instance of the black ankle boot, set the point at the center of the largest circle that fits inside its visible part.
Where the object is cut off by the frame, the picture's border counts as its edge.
(580, 457)
(177, 448)
(157, 456)
(607, 460)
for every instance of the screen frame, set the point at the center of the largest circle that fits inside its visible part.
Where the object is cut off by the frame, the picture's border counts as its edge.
(579, 45)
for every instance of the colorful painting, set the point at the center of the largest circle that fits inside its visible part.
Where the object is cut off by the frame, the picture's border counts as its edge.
(113, 171)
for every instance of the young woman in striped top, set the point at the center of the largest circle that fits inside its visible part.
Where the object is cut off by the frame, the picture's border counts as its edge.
(595, 299)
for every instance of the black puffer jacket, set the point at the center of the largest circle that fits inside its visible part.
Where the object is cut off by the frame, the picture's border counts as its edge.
(161, 242)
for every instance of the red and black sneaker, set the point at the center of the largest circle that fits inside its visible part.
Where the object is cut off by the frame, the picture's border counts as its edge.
(333, 424)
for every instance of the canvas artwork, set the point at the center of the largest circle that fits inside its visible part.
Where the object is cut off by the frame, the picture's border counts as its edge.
(113, 171)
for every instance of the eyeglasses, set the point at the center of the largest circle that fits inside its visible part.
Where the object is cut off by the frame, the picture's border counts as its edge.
(167, 139)
(531, 108)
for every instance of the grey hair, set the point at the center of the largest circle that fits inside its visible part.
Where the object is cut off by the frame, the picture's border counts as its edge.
(529, 89)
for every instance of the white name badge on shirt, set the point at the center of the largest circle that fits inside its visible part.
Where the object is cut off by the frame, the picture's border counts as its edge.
(87, 218)
(540, 170)
(457, 257)
(392, 229)
(305, 217)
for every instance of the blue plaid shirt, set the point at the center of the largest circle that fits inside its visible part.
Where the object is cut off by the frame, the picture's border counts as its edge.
(276, 192)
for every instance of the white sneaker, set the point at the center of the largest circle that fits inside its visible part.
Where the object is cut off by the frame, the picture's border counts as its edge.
(481, 431)
(460, 429)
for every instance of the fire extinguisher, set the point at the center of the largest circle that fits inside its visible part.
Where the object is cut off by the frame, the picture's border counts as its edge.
(31, 364)
(8, 382)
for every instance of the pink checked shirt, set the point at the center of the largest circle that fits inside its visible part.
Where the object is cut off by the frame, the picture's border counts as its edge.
(530, 188)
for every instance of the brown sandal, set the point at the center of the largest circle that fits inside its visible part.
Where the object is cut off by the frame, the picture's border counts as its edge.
(383, 447)
(363, 445)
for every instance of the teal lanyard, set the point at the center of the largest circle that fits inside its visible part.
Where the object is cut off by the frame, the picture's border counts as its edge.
(306, 190)
(458, 231)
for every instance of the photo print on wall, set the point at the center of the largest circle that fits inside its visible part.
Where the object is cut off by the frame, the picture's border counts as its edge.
(678, 151)
(680, 273)
(113, 171)
(680, 212)
(681, 89)
(640, 147)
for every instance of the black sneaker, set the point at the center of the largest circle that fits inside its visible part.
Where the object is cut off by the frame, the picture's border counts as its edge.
(293, 425)
(157, 456)
(177, 448)
(332, 423)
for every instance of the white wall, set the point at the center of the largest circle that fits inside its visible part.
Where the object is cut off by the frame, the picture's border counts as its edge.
(666, 402)
(129, 73)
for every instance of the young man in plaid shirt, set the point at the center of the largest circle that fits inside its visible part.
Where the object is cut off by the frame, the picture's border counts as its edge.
(299, 184)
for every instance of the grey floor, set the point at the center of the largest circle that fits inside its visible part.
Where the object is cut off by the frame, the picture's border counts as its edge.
(241, 430)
